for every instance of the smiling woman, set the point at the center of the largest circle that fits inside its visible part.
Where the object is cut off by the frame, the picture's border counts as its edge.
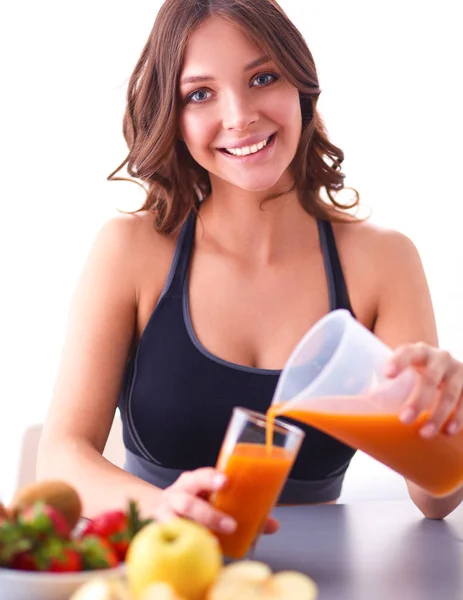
(246, 118)
(192, 305)
(259, 86)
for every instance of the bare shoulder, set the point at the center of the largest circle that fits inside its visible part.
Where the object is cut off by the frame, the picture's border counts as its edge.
(131, 240)
(375, 260)
(374, 243)
(129, 231)
(386, 266)
(128, 260)
(135, 259)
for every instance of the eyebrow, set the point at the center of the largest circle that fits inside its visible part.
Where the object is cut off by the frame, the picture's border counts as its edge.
(262, 60)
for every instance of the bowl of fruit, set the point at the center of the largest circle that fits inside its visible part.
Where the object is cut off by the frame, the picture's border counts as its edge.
(48, 551)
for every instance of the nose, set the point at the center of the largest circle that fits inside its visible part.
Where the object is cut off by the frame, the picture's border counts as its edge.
(238, 112)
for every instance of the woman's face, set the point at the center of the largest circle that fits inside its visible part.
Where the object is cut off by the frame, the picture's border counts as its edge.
(240, 119)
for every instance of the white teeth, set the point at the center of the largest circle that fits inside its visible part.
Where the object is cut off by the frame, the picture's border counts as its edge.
(245, 150)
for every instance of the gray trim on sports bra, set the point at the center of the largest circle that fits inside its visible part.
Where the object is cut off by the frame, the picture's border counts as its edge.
(294, 492)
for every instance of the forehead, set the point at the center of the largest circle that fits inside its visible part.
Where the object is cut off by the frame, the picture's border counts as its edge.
(216, 43)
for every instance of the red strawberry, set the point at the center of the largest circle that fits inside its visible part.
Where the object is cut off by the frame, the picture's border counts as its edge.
(118, 527)
(23, 546)
(112, 526)
(96, 552)
(25, 561)
(14, 541)
(68, 560)
(44, 520)
(53, 555)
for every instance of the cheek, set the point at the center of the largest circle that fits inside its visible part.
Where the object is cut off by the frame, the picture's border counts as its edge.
(197, 132)
(287, 112)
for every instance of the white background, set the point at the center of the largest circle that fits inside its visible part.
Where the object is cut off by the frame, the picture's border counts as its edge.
(391, 79)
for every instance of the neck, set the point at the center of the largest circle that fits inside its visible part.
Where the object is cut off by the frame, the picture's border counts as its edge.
(246, 226)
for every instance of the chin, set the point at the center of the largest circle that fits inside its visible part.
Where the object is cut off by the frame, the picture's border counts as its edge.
(262, 184)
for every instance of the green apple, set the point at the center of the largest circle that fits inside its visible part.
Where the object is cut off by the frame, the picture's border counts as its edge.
(179, 552)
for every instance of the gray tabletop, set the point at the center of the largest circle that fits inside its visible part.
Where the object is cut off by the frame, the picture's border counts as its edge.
(370, 551)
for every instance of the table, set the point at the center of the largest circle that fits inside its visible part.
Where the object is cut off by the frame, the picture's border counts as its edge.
(369, 551)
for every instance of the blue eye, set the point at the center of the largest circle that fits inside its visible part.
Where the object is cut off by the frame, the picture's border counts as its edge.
(264, 79)
(198, 96)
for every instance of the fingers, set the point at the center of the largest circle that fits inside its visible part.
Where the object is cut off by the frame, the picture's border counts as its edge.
(201, 481)
(447, 412)
(455, 423)
(271, 526)
(187, 497)
(426, 386)
(438, 389)
(201, 511)
(164, 513)
(407, 356)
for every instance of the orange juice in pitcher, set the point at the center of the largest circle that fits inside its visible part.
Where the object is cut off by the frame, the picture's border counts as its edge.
(334, 381)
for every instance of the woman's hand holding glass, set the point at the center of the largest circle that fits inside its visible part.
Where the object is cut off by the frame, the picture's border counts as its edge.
(188, 497)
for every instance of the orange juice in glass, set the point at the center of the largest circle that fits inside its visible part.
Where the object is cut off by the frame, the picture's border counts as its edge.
(256, 466)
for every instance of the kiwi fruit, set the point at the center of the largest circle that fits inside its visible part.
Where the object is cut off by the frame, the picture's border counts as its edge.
(4, 514)
(58, 494)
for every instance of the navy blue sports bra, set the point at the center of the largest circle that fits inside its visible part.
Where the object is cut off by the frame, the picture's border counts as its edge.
(177, 397)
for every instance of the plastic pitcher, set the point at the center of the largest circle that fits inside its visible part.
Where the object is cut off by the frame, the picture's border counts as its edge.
(334, 380)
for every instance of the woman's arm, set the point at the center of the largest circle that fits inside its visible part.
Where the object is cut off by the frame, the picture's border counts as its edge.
(101, 329)
(404, 317)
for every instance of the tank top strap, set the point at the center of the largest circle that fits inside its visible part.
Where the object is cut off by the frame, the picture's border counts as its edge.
(181, 259)
(339, 296)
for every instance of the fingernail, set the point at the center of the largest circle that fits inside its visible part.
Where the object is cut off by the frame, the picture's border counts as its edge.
(452, 428)
(429, 430)
(227, 525)
(407, 415)
(218, 480)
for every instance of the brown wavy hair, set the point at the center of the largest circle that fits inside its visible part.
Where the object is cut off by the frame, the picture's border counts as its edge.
(161, 162)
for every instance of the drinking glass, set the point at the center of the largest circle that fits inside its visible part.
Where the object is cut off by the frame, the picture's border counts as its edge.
(257, 463)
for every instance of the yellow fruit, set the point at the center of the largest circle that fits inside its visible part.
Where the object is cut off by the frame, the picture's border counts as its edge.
(179, 552)
(160, 591)
(102, 589)
(253, 580)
